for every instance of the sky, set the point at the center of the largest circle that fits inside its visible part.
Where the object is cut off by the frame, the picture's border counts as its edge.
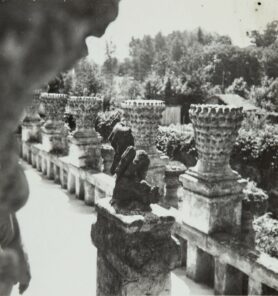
(141, 17)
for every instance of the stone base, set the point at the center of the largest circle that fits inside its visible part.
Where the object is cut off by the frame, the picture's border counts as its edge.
(85, 152)
(208, 208)
(53, 142)
(31, 132)
(135, 253)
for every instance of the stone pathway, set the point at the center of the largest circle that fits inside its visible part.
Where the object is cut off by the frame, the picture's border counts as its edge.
(56, 232)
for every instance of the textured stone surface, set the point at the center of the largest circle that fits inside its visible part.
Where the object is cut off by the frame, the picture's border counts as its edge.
(135, 253)
(85, 142)
(212, 191)
(38, 39)
(143, 116)
(215, 131)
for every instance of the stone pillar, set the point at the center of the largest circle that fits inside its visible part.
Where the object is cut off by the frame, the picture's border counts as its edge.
(227, 279)
(212, 191)
(85, 142)
(143, 116)
(53, 130)
(107, 153)
(254, 287)
(135, 253)
(32, 122)
(172, 173)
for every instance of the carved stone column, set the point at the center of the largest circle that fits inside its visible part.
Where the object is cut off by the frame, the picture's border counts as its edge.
(53, 130)
(32, 122)
(212, 190)
(135, 252)
(143, 116)
(85, 142)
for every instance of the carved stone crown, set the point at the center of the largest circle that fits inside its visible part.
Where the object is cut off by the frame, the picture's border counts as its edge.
(215, 128)
(143, 116)
(54, 105)
(85, 110)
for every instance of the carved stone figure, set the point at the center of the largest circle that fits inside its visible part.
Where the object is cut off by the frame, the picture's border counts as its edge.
(132, 193)
(120, 138)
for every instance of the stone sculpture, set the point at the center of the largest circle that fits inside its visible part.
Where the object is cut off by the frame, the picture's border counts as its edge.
(120, 138)
(131, 193)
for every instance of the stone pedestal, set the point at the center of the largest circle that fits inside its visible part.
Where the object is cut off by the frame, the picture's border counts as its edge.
(227, 280)
(54, 131)
(143, 116)
(212, 191)
(85, 142)
(135, 253)
(31, 124)
(172, 173)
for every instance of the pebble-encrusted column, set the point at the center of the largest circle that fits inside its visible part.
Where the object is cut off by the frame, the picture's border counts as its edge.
(212, 190)
(143, 116)
(135, 252)
(53, 130)
(32, 122)
(85, 142)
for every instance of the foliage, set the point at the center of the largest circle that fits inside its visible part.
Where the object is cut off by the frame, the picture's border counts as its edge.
(239, 87)
(266, 229)
(254, 194)
(266, 95)
(56, 85)
(106, 121)
(257, 146)
(174, 141)
(267, 37)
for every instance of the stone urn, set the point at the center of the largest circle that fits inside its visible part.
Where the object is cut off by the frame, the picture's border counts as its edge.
(143, 116)
(54, 107)
(215, 131)
(54, 132)
(85, 142)
(85, 110)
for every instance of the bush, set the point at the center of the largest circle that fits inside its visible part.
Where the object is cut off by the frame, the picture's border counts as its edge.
(266, 229)
(178, 143)
(106, 121)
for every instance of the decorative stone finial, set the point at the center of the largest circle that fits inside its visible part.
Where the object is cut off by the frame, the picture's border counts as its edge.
(54, 105)
(85, 110)
(215, 128)
(143, 116)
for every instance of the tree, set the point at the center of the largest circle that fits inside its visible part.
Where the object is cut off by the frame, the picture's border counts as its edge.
(56, 85)
(239, 87)
(110, 65)
(267, 37)
(87, 79)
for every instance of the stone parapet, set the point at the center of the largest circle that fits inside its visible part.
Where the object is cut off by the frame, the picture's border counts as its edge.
(135, 253)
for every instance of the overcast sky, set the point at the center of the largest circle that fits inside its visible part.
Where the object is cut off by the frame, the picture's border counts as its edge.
(140, 17)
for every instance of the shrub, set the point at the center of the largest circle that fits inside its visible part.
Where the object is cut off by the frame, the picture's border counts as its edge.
(106, 121)
(266, 229)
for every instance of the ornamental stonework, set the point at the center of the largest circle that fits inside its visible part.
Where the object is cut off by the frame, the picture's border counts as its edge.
(215, 129)
(143, 116)
(54, 105)
(85, 110)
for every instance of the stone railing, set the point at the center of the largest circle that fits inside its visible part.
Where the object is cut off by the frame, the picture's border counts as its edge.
(208, 211)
